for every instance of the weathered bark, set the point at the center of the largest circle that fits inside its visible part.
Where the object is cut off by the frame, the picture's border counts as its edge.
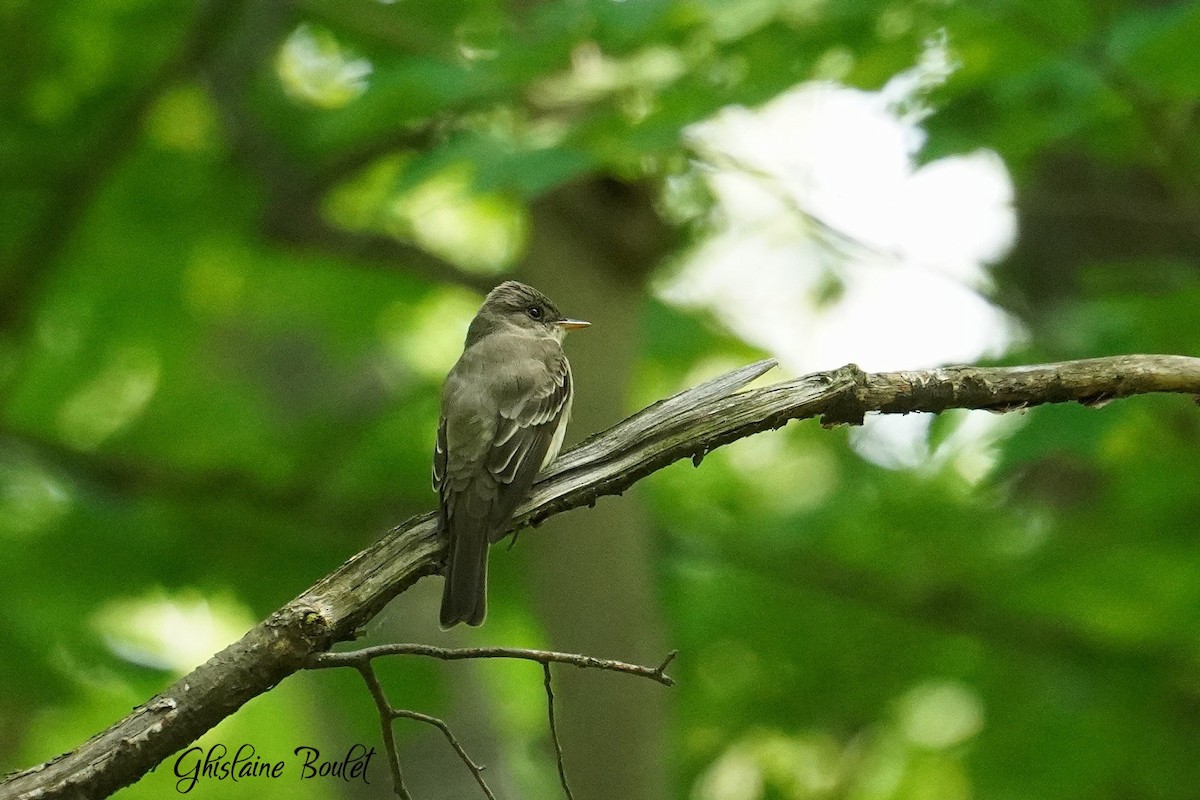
(689, 424)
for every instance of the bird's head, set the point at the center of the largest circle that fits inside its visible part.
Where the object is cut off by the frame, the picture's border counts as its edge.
(516, 305)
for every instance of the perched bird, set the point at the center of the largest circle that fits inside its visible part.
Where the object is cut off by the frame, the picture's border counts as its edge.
(505, 406)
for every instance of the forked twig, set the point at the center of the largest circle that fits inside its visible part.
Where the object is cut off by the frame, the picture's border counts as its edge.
(362, 659)
(476, 769)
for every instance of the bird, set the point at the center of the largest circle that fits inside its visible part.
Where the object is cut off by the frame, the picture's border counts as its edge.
(504, 411)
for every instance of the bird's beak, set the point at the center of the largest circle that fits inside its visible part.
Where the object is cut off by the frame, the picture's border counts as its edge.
(572, 324)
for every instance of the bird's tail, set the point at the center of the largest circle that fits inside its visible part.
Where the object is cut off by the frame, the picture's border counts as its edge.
(464, 596)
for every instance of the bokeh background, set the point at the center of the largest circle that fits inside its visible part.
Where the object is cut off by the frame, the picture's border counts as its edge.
(240, 242)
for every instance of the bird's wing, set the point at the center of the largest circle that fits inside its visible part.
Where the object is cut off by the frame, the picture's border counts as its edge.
(523, 421)
(527, 430)
(439, 456)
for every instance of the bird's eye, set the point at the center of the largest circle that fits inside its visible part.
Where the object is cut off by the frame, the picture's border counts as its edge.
(535, 312)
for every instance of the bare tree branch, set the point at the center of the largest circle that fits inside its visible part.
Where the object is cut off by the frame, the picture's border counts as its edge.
(689, 424)
(361, 660)
(354, 657)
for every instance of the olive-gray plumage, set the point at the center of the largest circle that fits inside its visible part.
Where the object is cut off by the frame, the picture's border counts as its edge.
(505, 406)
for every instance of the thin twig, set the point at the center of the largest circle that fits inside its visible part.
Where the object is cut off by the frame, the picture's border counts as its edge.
(386, 715)
(354, 657)
(441, 725)
(558, 751)
(362, 659)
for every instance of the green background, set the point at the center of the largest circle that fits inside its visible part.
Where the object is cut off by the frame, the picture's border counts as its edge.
(223, 329)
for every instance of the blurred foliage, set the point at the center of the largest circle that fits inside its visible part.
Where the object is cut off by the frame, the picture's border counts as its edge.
(199, 417)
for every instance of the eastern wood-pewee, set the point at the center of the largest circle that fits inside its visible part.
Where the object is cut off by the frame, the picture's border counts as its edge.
(505, 406)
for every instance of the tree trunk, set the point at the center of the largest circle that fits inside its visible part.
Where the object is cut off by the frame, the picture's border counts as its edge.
(593, 574)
